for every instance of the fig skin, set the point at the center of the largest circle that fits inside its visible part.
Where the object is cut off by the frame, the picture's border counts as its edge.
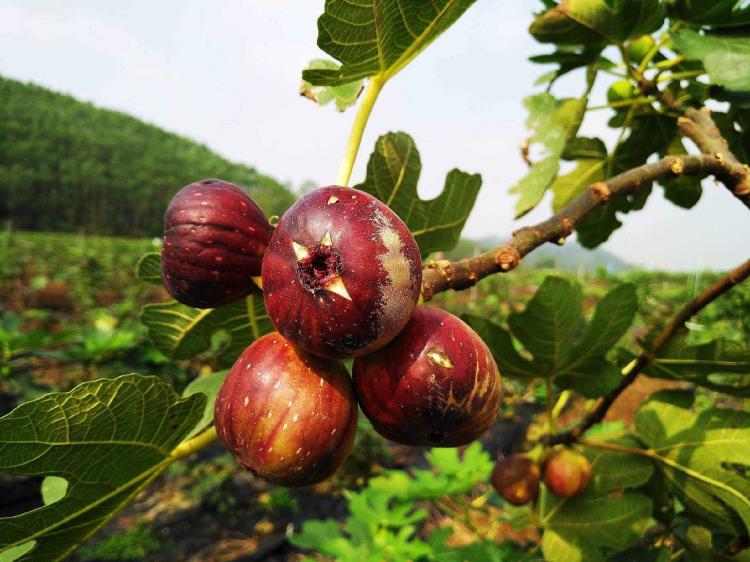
(516, 478)
(286, 415)
(342, 273)
(435, 385)
(214, 240)
(566, 473)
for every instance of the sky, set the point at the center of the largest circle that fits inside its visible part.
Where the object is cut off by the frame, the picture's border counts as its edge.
(227, 74)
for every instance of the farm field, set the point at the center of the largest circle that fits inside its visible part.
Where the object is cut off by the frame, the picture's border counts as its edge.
(70, 312)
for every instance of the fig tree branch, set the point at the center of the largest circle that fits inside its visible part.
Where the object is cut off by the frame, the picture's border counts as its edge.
(734, 277)
(716, 159)
(698, 126)
(441, 275)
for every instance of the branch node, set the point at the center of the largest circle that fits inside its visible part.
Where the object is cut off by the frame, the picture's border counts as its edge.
(507, 258)
(535, 232)
(677, 166)
(567, 226)
(743, 186)
(602, 190)
(719, 158)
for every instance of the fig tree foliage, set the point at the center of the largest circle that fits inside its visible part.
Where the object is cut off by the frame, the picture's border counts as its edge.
(673, 483)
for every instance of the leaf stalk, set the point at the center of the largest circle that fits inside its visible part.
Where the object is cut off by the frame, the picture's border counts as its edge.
(358, 128)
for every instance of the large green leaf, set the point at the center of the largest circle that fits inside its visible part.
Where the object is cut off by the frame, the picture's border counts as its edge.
(392, 175)
(726, 57)
(718, 365)
(148, 268)
(343, 96)
(552, 331)
(712, 13)
(550, 321)
(182, 332)
(553, 123)
(617, 20)
(106, 438)
(613, 471)
(613, 316)
(569, 186)
(555, 26)
(583, 529)
(704, 456)
(500, 342)
(378, 37)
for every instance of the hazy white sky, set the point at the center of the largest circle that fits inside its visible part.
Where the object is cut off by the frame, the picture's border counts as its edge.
(227, 72)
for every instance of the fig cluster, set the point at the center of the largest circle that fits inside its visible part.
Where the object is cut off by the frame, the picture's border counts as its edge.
(341, 276)
(517, 477)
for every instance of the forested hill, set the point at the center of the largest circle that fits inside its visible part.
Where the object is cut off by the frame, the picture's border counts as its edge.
(69, 166)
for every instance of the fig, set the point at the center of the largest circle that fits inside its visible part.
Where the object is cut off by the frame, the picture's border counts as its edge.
(639, 47)
(566, 473)
(214, 240)
(516, 479)
(342, 273)
(620, 91)
(435, 385)
(286, 415)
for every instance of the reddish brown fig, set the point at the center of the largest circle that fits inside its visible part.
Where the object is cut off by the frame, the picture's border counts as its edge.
(342, 273)
(516, 479)
(566, 473)
(289, 417)
(214, 240)
(436, 384)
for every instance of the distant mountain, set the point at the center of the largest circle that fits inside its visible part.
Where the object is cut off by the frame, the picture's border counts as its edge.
(67, 165)
(571, 257)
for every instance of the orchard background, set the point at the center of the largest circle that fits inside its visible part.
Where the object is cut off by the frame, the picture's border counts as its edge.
(646, 373)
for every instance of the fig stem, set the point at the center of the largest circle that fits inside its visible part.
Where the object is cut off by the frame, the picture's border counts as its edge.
(193, 445)
(358, 128)
(550, 425)
(652, 52)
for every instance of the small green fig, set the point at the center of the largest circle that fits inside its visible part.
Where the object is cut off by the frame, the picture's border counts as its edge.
(620, 91)
(516, 479)
(639, 48)
(566, 473)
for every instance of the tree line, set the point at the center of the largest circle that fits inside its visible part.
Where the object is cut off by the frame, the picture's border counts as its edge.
(66, 165)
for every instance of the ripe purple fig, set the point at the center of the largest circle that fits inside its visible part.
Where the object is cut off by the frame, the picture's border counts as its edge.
(566, 473)
(214, 240)
(516, 479)
(436, 384)
(342, 273)
(288, 416)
